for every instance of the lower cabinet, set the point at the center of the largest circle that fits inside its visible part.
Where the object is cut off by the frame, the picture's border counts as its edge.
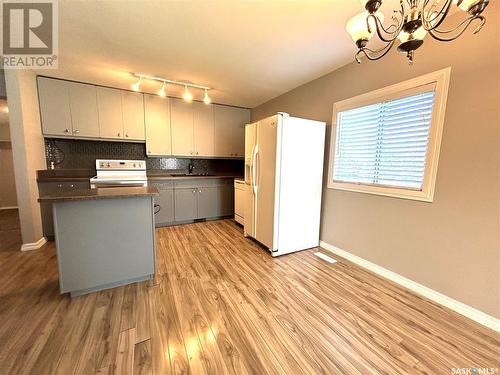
(164, 203)
(202, 199)
(207, 202)
(185, 204)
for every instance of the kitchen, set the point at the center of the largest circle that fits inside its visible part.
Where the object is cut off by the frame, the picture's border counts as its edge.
(201, 188)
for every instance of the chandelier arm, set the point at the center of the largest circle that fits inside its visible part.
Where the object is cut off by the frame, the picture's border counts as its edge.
(433, 14)
(426, 23)
(467, 22)
(380, 28)
(369, 52)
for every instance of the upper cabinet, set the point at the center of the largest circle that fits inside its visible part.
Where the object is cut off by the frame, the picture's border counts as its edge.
(170, 126)
(83, 105)
(109, 104)
(204, 129)
(133, 116)
(157, 117)
(193, 131)
(181, 117)
(230, 130)
(54, 107)
(79, 110)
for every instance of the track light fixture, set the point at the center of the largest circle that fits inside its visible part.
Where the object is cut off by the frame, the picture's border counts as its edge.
(187, 95)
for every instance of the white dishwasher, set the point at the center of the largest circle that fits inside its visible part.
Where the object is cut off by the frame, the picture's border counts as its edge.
(240, 190)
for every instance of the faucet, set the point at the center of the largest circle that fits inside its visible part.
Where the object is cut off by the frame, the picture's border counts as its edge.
(190, 167)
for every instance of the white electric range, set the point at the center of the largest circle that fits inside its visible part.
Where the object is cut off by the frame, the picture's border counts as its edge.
(119, 173)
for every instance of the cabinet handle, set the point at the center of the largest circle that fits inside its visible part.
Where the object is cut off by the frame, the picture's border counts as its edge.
(191, 152)
(72, 186)
(126, 135)
(194, 191)
(149, 151)
(199, 191)
(76, 131)
(66, 130)
(59, 185)
(196, 152)
(119, 135)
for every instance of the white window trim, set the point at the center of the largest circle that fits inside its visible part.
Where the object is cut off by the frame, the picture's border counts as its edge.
(441, 80)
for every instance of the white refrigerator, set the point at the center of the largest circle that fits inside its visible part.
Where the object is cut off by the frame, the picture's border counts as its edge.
(284, 173)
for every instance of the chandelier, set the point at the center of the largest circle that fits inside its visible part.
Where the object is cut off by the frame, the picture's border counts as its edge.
(410, 23)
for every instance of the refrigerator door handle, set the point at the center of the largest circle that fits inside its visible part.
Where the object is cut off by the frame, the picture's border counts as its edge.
(254, 170)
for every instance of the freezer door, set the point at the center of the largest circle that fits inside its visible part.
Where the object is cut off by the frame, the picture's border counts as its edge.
(265, 167)
(250, 144)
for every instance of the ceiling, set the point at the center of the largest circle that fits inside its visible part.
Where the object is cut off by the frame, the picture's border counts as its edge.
(248, 51)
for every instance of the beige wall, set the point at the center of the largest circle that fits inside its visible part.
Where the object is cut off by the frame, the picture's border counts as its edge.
(28, 148)
(453, 244)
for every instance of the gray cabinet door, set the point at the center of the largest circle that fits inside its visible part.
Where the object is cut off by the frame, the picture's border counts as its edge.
(45, 188)
(225, 200)
(185, 204)
(207, 202)
(54, 107)
(164, 212)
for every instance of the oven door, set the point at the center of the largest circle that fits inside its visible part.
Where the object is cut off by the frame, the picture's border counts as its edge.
(108, 183)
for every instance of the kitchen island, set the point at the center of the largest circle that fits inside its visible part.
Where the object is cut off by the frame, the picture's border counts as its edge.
(104, 237)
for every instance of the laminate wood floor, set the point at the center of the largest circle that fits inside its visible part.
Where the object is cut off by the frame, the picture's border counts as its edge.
(220, 304)
(10, 230)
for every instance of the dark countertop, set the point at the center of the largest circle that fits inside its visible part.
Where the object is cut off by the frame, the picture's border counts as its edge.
(182, 177)
(93, 194)
(62, 175)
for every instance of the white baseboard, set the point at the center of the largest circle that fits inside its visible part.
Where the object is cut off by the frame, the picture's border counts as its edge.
(457, 306)
(33, 245)
(9, 208)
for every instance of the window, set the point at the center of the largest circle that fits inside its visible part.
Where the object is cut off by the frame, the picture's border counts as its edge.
(387, 141)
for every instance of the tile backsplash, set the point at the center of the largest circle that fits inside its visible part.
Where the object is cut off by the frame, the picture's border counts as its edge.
(80, 154)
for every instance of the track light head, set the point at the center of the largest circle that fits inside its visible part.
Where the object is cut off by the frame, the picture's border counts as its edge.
(206, 98)
(162, 91)
(137, 85)
(187, 96)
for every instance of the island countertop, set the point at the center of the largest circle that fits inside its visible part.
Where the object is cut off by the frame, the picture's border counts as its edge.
(103, 193)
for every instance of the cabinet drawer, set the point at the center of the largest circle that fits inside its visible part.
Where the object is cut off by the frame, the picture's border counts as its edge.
(161, 185)
(201, 182)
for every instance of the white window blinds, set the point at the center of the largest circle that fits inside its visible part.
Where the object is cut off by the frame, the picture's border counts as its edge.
(384, 143)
